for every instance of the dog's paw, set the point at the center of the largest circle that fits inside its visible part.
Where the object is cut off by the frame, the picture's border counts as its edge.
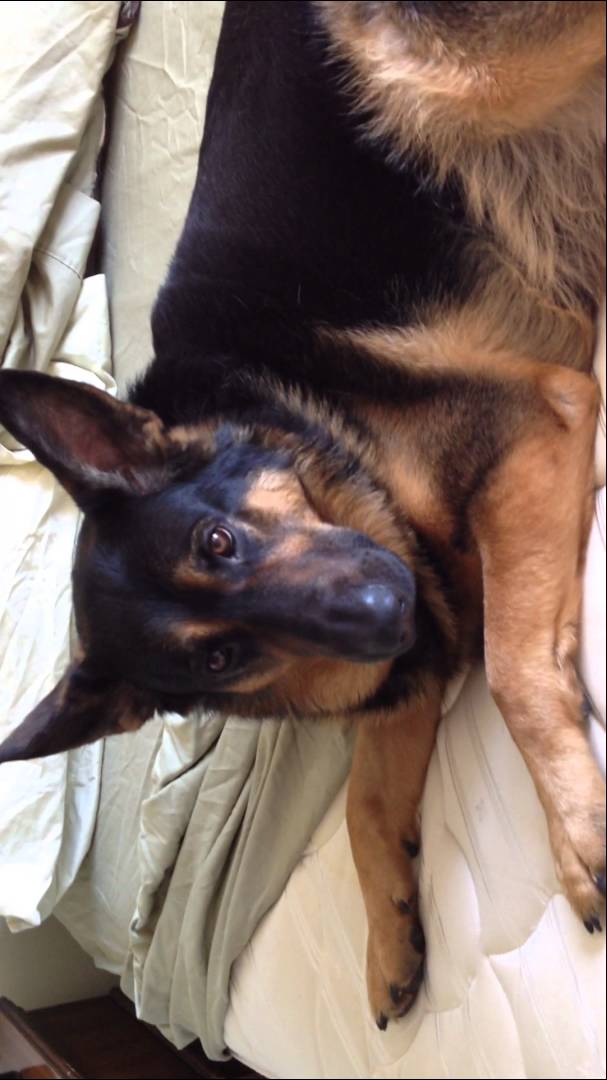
(395, 960)
(579, 849)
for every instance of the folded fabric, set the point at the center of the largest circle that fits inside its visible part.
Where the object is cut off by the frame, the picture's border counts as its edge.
(53, 319)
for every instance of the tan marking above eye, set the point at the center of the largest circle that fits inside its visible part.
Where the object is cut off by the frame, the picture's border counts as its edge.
(279, 494)
(258, 680)
(294, 543)
(190, 632)
(189, 576)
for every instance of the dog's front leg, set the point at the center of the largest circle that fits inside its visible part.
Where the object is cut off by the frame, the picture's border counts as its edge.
(531, 523)
(386, 784)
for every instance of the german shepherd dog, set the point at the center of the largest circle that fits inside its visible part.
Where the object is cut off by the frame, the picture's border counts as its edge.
(363, 451)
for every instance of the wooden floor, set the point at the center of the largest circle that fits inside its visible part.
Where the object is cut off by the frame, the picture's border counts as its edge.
(99, 1039)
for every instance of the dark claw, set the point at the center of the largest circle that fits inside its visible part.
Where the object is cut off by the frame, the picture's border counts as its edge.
(407, 1008)
(589, 925)
(417, 939)
(382, 1021)
(403, 907)
(415, 983)
(398, 993)
(600, 883)
(411, 848)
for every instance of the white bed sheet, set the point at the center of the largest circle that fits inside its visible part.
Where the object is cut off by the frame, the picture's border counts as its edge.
(54, 319)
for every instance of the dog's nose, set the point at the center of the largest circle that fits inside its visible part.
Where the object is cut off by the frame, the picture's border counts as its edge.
(377, 619)
(383, 616)
(381, 603)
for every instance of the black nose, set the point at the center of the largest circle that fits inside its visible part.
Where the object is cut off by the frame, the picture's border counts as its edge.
(381, 603)
(375, 621)
(383, 616)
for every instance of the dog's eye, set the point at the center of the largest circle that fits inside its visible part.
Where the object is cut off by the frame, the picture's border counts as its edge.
(221, 542)
(219, 660)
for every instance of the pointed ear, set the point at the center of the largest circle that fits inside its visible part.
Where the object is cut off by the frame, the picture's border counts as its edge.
(90, 441)
(81, 709)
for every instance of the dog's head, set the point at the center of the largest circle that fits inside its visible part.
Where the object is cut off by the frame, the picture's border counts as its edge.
(225, 566)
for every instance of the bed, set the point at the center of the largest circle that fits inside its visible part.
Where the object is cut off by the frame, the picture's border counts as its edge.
(224, 899)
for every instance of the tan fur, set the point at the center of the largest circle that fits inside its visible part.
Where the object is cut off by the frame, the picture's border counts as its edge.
(194, 632)
(532, 588)
(189, 574)
(184, 436)
(258, 681)
(524, 132)
(276, 496)
(314, 683)
(319, 684)
(471, 339)
(412, 484)
(386, 784)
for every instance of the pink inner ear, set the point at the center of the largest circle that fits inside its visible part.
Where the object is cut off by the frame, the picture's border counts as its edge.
(91, 442)
(104, 435)
(87, 441)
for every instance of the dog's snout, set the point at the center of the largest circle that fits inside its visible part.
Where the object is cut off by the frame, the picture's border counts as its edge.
(382, 604)
(378, 619)
(383, 616)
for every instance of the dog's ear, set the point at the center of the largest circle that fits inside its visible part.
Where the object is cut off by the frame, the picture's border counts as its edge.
(81, 709)
(91, 442)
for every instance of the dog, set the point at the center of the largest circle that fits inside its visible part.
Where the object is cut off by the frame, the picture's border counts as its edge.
(362, 454)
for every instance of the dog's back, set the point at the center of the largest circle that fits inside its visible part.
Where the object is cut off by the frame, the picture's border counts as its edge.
(296, 223)
(309, 215)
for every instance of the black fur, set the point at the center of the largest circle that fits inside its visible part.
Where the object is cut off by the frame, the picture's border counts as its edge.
(296, 221)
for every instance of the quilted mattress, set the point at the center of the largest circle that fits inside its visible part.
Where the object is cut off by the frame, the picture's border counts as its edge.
(515, 987)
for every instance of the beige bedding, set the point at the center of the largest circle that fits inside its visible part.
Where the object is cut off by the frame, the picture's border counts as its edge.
(53, 318)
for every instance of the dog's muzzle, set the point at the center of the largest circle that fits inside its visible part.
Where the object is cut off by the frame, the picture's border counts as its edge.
(373, 621)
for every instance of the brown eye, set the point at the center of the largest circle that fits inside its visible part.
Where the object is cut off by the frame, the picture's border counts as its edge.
(221, 542)
(219, 660)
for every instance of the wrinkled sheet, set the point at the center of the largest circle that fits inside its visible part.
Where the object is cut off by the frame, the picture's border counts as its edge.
(55, 319)
(200, 823)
